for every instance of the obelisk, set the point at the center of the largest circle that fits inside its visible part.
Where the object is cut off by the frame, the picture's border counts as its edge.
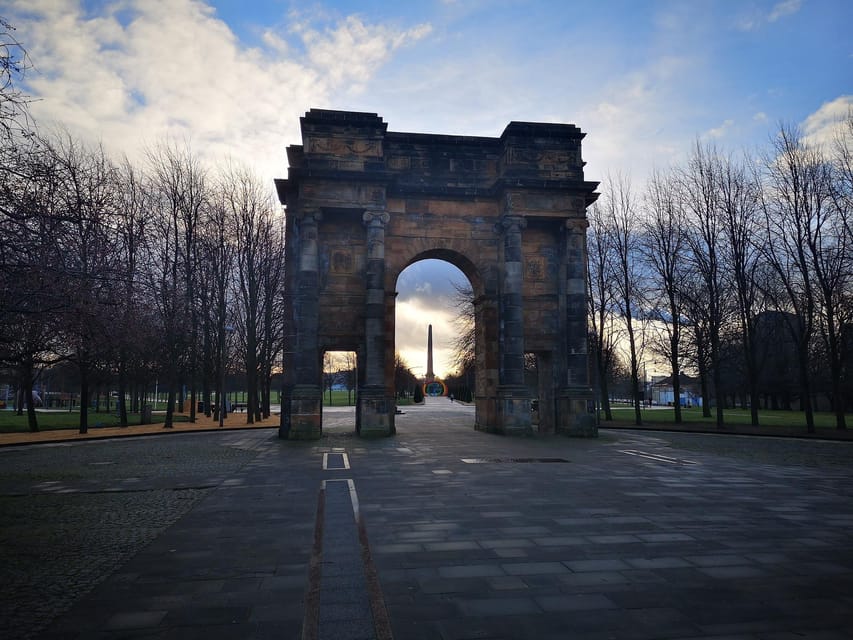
(430, 376)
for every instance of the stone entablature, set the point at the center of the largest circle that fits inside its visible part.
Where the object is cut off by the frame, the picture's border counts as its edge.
(363, 203)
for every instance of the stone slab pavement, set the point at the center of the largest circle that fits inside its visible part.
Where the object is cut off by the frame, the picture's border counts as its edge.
(439, 532)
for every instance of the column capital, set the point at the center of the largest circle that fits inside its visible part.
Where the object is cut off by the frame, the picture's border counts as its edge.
(576, 225)
(509, 222)
(310, 215)
(377, 218)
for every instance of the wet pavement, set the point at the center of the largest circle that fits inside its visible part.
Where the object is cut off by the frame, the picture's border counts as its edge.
(439, 532)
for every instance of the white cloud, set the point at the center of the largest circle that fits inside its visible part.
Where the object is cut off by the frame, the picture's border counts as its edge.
(752, 19)
(413, 319)
(426, 296)
(821, 126)
(785, 8)
(172, 68)
(720, 131)
(351, 51)
(631, 125)
(760, 117)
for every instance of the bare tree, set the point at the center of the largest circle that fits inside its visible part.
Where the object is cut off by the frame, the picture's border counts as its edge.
(270, 341)
(665, 250)
(601, 302)
(218, 270)
(130, 228)
(795, 203)
(622, 225)
(464, 342)
(14, 103)
(701, 193)
(87, 200)
(842, 199)
(31, 295)
(179, 192)
(251, 211)
(739, 198)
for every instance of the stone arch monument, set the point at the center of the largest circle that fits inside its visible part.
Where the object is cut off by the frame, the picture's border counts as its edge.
(363, 203)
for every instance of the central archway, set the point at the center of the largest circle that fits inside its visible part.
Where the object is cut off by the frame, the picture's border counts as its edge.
(363, 203)
(459, 270)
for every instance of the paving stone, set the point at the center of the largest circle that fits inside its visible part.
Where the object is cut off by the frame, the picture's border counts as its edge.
(657, 563)
(717, 561)
(506, 583)
(513, 543)
(471, 571)
(135, 620)
(670, 552)
(560, 541)
(533, 568)
(583, 602)
(499, 607)
(733, 572)
(604, 564)
(451, 546)
(613, 539)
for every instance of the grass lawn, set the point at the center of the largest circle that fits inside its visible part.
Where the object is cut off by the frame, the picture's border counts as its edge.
(339, 399)
(823, 420)
(11, 422)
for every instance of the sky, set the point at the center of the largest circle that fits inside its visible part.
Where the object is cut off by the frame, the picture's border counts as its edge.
(644, 80)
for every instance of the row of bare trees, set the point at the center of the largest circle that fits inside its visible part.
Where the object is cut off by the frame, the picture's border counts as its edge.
(136, 273)
(725, 262)
(133, 272)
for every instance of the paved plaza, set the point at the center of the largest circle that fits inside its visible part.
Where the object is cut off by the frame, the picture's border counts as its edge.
(439, 532)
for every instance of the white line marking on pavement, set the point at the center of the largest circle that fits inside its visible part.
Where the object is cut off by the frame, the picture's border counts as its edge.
(344, 457)
(657, 457)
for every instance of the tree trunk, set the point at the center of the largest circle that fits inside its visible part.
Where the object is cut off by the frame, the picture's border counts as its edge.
(676, 377)
(806, 391)
(251, 381)
(635, 371)
(602, 381)
(716, 376)
(838, 404)
(701, 362)
(751, 374)
(84, 398)
(206, 372)
(170, 402)
(27, 398)
(835, 370)
(605, 399)
(122, 394)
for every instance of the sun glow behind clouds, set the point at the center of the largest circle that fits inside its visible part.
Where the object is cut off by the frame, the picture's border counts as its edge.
(425, 296)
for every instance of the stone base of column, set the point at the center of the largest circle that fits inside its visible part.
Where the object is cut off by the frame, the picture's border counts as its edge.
(575, 417)
(485, 413)
(305, 415)
(513, 417)
(375, 413)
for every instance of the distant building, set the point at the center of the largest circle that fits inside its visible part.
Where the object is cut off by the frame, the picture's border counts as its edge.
(663, 392)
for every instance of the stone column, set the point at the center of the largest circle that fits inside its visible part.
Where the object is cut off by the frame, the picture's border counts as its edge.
(376, 407)
(514, 398)
(575, 395)
(306, 395)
